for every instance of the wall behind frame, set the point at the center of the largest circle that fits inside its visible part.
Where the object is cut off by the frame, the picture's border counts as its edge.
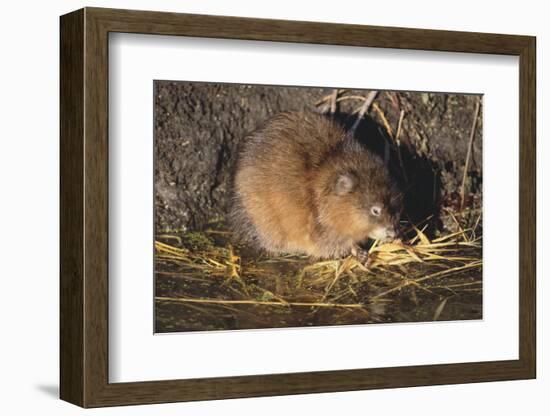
(29, 226)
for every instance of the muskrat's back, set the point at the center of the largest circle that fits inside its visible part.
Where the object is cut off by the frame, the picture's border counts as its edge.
(285, 181)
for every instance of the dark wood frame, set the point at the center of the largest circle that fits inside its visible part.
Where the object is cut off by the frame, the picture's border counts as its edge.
(84, 208)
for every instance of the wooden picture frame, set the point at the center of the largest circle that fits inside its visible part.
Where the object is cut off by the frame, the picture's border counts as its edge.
(84, 207)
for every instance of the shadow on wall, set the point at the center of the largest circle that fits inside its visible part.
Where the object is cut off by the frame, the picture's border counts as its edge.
(418, 176)
(51, 390)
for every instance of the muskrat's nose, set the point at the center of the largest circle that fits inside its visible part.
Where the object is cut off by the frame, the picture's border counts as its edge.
(391, 234)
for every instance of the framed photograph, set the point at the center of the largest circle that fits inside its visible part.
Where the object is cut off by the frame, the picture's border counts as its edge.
(255, 207)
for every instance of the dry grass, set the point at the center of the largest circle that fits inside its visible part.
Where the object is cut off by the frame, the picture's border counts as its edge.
(257, 291)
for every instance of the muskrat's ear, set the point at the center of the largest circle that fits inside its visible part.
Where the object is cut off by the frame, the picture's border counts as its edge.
(345, 183)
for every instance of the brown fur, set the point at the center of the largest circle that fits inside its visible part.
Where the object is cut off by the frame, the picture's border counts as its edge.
(302, 185)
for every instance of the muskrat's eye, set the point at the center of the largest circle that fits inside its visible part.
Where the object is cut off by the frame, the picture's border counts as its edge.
(376, 211)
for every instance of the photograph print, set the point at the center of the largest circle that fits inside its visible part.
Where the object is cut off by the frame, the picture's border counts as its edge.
(290, 206)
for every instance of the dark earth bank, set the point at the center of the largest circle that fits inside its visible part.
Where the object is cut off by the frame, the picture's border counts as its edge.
(198, 127)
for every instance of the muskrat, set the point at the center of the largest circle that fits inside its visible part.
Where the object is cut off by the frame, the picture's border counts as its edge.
(302, 185)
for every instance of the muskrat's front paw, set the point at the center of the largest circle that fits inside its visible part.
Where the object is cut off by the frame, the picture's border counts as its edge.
(361, 255)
